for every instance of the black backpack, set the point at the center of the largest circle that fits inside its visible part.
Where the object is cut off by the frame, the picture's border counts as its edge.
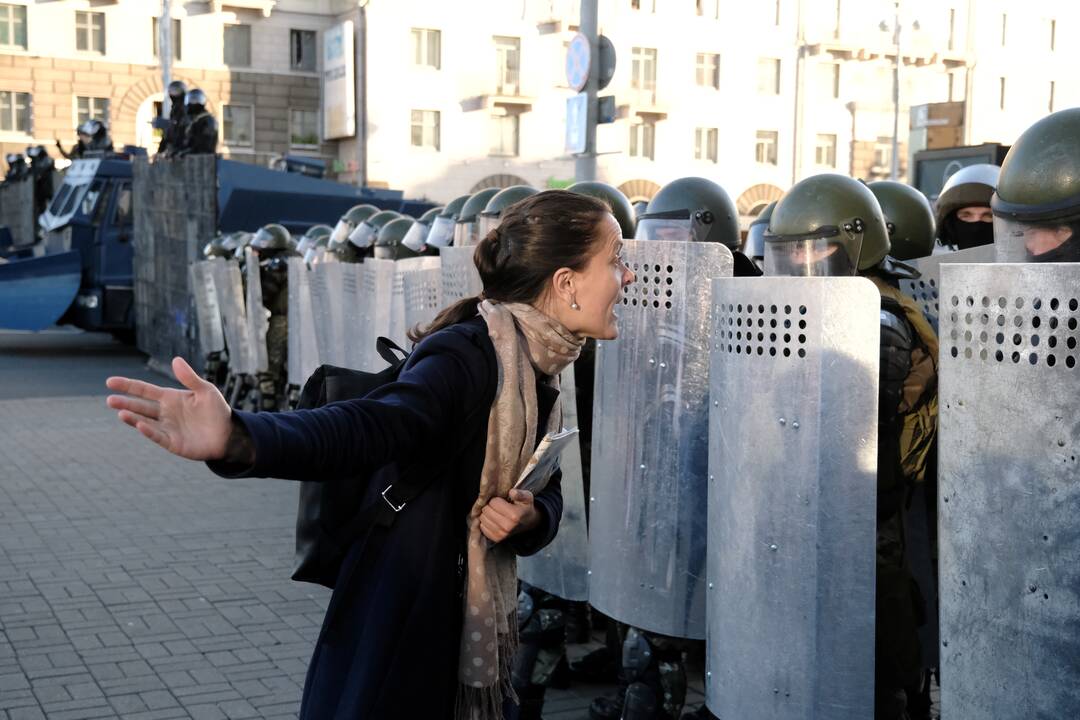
(330, 517)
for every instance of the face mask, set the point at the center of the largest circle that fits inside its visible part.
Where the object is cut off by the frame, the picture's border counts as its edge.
(1067, 252)
(965, 235)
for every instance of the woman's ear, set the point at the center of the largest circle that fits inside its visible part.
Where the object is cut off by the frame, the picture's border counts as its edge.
(562, 286)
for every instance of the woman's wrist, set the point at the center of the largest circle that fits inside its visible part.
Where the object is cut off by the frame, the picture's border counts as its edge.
(239, 448)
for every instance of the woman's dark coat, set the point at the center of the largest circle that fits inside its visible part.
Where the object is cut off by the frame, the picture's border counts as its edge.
(389, 644)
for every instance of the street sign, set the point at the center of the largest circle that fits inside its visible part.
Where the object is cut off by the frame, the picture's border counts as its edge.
(578, 61)
(577, 116)
(605, 68)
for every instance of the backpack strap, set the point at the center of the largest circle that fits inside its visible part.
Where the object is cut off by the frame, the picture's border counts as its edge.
(386, 347)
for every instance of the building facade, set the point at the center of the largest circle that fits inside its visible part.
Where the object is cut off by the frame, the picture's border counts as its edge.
(454, 96)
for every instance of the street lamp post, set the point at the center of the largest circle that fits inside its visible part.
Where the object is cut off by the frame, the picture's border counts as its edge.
(894, 173)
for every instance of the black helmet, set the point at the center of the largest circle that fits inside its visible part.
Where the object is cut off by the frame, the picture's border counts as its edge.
(691, 208)
(177, 90)
(613, 197)
(195, 101)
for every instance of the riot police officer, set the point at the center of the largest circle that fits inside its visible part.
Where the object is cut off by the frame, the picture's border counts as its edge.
(172, 139)
(311, 238)
(625, 214)
(93, 139)
(362, 238)
(41, 170)
(201, 133)
(273, 246)
(348, 222)
(442, 228)
(389, 243)
(962, 212)
(17, 167)
(1037, 202)
(491, 214)
(832, 225)
(753, 246)
(908, 217)
(467, 224)
(416, 238)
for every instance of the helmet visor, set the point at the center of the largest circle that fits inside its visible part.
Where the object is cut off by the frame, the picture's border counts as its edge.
(262, 239)
(754, 245)
(415, 237)
(364, 235)
(314, 255)
(341, 232)
(385, 252)
(676, 225)
(304, 245)
(808, 257)
(1017, 241)
(485, 224)
(442, 232)
(465, 234)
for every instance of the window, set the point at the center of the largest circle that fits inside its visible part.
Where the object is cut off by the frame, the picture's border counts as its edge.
(1004, 17)
(14, 112)
(956, 86)
(836, 20)
(1053, 35)
(505, 129)
(12, 26)
(236, 44)
(705, 142)
(1050, 102)
(90, 32)
(174, 38)
(643, 70)
(425, 129)
(87, 108)
(825, 151)
(708, 70)
(122, 212)
(636, 4)
(302, 54)
(1001, 93)
(237, 124)
(643, 139)
(507, 65)
(882, 154)
(765, 150)
(952, 28)
(303, 127)
(768, 76)
(829, 79)
(427, 48)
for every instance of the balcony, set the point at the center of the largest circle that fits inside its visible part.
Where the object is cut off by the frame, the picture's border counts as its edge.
(263, 6)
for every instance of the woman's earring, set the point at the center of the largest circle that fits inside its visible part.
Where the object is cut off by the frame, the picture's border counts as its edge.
(574, 305)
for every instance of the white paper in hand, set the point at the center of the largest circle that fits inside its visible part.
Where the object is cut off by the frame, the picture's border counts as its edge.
(544, 461)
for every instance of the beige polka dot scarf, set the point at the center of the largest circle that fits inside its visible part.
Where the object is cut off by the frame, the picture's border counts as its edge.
(526, 341)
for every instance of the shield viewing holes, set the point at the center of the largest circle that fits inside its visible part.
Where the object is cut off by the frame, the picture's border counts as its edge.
(654, 286)
(924, 292)
(775, 330)
(1014, 330)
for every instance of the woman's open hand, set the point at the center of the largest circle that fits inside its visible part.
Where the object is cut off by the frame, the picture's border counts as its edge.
(502, 518)
(194, 423)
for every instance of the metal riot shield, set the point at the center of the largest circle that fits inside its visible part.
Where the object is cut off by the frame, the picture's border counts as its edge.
(924, 291)
(1009, 474)
(423, 295)
(650, 442)
(354, 299)
(303, 351)
(327, 297)
(792, 498)
(207, 312)
(375, 306)
(403, 270)
(562, 568)
(230, 293)
(258, 317)
(460, 278)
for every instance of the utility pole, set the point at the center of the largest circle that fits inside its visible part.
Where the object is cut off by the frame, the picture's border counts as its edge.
(585, 163)
(165, 53)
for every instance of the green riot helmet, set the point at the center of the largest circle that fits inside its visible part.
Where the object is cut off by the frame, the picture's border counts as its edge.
(216, 249)
(442, 230)
(825, 225)
(490, 216)
(311, 237)
(466, 227)
(754, 245)
(348, 222)
(241, 241)
(389, 242)
(363, 236)
(1037, 202)
(691, 208)
(613, 197)
(967, 190)
(416, 238)
(908, 218)
(640, 208)
(272, 238)
(314, 254)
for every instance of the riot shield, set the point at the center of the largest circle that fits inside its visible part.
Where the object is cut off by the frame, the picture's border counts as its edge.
(562, 568)
(327, 297)
(230, 294)
(924, 291)
(354, 299)
(403, 270)
(1009, 474)
(792, 498)
(423, 296)
(207, 312)
(303, 350)
(650, 442)
(459, 276)
(375, 307)
(258, 317)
